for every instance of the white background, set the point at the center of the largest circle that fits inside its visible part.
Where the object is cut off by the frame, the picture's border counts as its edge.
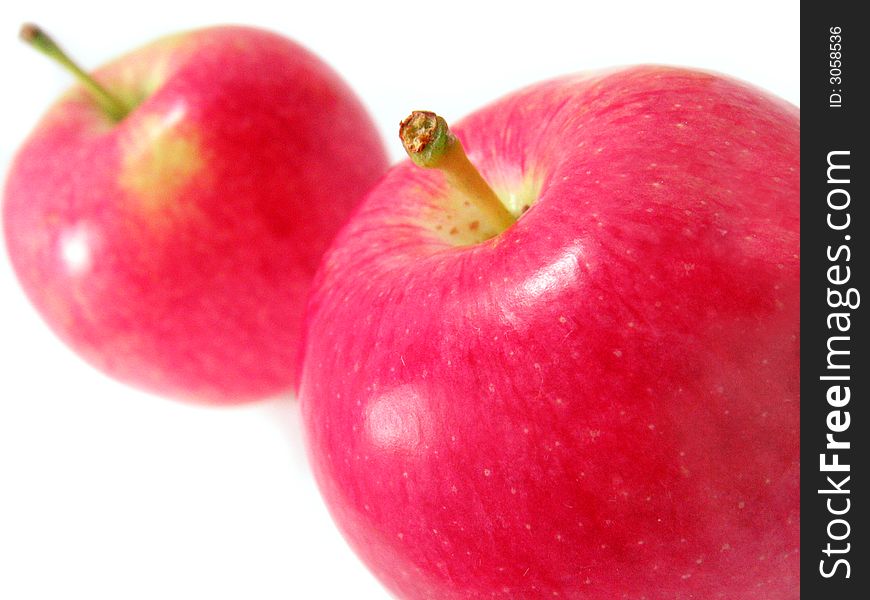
(109, 493)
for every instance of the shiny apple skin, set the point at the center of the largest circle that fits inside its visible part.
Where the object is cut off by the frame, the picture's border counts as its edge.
(603, 401)
(175, 249)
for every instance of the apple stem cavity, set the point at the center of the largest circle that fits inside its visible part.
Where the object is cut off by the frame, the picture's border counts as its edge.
(40, 40)
(430, 143)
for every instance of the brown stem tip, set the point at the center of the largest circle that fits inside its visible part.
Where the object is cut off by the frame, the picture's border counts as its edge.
(425, 137)
(29, 32)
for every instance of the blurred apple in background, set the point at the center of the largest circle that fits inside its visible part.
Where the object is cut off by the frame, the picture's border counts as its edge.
(576, 373)
(167, 215)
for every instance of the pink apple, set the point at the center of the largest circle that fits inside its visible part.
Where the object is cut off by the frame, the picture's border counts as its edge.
(598, 401)
(167, 222)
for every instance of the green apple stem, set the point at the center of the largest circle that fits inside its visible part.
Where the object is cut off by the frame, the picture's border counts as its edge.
(430, 143)
(40, 40)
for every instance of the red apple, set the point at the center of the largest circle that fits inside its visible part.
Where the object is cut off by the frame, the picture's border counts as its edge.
(166, 217)
(599, 400)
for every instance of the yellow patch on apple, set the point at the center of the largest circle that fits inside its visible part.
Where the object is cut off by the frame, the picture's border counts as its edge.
(159, 160)
(459, 221)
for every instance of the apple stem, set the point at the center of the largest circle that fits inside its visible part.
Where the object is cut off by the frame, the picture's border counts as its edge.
(40, 40)
(430, 143)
